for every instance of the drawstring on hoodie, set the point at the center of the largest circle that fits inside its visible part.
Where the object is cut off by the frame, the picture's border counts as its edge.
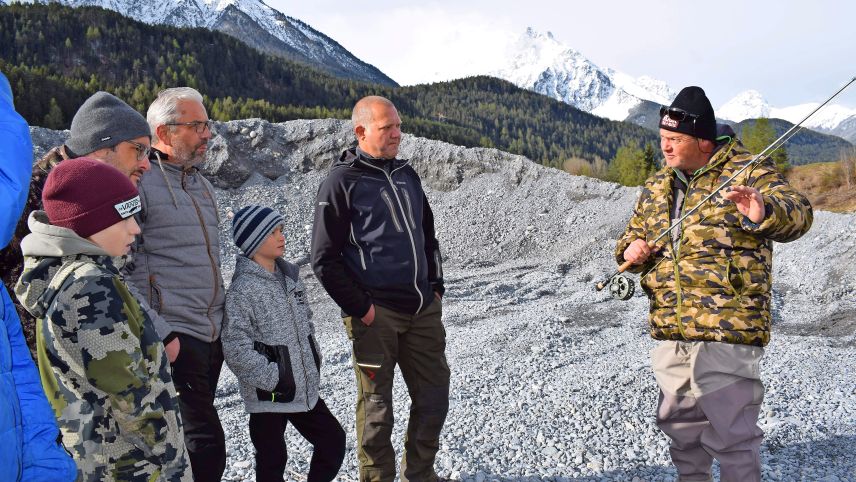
(166, 178)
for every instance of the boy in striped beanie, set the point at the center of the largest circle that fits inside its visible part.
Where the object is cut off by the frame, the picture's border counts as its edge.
(269, 344)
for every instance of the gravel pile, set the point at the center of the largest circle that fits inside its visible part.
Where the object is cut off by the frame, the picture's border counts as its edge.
(550, 379)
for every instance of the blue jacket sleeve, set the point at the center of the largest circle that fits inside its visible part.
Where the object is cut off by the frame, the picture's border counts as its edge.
(42, 458)
(16, 163)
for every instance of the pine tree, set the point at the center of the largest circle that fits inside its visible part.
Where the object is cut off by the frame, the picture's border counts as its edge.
(760, 134)
(54, 118)
(632, 165)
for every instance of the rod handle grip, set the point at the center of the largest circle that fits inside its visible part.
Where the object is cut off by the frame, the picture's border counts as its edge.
(624, 266)
(627, 264)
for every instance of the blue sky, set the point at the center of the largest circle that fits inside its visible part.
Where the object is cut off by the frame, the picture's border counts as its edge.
(792, 52)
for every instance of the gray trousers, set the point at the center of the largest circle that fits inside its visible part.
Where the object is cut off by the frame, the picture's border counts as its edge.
(710, 398)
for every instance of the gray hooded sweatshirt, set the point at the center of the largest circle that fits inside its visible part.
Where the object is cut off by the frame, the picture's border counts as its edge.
(263, 316)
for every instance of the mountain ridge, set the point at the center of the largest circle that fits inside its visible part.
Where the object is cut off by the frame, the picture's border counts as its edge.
(252, 22)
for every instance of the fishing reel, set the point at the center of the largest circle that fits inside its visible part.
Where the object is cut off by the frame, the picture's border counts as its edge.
(620, 287)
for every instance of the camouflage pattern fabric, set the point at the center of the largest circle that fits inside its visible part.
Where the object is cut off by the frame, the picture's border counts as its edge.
(715, 284)
(104, 371)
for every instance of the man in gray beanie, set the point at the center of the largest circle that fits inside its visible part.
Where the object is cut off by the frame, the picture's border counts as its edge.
(104, 128)
(107, 129)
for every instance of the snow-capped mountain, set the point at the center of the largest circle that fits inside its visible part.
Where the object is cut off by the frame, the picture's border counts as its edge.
(541, 63)
(832, 119)
(254, 23)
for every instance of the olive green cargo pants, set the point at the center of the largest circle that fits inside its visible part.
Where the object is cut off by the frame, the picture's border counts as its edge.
(417, 343)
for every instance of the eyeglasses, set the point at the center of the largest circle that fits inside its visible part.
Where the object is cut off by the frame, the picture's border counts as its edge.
(198, 126)
(143, 151)
(676, 114)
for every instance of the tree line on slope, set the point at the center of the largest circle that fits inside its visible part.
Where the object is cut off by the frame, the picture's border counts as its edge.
(54, 64)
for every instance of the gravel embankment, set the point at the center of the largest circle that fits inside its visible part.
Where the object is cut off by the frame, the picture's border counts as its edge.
(550, 380)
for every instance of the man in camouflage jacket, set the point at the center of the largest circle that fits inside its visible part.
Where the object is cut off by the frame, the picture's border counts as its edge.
(709, 286)
(101, 362)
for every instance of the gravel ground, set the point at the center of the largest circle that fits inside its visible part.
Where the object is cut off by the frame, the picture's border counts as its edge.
(550, 380)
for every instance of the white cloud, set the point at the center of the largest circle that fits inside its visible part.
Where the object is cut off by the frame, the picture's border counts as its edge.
(421, 44)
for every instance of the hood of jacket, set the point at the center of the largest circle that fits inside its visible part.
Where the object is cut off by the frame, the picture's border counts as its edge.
(47, 240)
(45, 250)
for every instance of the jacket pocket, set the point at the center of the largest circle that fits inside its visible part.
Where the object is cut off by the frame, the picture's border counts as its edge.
(409, 207)
(392, 213)
(353, 240)
(734, 278)
(315, 354)
(285, 389)
(155, 296)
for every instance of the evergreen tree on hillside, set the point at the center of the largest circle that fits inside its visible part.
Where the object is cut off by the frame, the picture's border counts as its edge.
(757, 136)
(43, 49)
(632, 165)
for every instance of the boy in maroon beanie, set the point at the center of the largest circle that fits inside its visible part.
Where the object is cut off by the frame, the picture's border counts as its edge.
(102, 365)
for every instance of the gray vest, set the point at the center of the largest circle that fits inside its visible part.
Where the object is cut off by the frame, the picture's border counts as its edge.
(176, 263)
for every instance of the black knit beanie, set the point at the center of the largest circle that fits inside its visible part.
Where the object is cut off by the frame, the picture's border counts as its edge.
(102, 121)
(700, 121)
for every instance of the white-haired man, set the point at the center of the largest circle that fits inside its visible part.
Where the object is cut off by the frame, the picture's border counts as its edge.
(177, 268)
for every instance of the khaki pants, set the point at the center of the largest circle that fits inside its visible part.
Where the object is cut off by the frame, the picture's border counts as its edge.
(417, 343)
(710, 398)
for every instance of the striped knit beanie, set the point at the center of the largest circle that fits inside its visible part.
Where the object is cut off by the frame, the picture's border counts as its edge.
(251, 225)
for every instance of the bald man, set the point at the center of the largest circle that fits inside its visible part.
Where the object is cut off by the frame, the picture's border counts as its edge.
(375, 252)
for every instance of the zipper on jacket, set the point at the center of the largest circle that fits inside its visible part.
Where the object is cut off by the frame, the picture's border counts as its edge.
(388, 201)
(678, 297)
(300, 349)
(438, 263)
(409, 208)
(359, 248)
(207, 247)
(409, 233)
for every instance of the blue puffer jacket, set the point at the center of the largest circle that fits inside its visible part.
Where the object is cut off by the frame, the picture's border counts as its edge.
(28, 430)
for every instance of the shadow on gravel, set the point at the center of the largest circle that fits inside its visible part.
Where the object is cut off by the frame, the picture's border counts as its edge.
(841, 325)
(829, 459)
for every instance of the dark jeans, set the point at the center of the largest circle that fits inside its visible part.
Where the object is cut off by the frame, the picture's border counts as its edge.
(195, 373)
(318, 426)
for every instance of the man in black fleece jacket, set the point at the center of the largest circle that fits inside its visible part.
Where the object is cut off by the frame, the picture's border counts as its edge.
(375, 252)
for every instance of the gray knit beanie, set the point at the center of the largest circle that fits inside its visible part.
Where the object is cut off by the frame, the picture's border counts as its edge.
(251, 225)
(102, 121)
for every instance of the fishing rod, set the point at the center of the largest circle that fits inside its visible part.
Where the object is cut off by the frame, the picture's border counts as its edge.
(622, 288)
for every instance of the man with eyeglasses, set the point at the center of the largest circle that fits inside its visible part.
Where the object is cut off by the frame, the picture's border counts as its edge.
(177, 268)
(104, 128)
(709, 286)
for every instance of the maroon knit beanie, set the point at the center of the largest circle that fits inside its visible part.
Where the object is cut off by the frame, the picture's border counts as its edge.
(86, 196)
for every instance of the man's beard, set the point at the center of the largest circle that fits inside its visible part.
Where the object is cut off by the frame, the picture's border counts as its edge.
(187, 155)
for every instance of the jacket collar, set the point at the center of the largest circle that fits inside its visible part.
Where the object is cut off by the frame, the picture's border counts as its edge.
(355, 156)
(246, 266)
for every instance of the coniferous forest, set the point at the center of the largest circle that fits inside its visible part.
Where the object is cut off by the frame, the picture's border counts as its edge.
(55, 57)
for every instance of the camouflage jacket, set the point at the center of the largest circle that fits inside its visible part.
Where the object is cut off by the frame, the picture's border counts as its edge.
(102, 365)
(715, 284)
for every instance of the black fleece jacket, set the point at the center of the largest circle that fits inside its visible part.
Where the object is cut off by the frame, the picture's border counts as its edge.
(373, 238)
